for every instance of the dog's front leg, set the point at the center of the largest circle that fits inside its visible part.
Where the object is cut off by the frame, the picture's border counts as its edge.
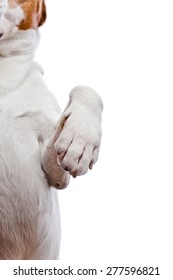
(78, 143)
(55, 174)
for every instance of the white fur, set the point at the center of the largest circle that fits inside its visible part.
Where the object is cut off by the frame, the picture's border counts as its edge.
(9, 18)
(29, 211)
(3, 6)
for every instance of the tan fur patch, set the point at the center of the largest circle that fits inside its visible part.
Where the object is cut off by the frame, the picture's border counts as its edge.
(35, 13)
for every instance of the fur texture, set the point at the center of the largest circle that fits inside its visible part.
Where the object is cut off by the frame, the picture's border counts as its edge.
(39, 149)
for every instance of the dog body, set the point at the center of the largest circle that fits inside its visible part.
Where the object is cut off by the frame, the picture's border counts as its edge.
(29, 218)
(39, 148)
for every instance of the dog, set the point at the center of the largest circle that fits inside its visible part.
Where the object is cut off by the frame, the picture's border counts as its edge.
(40, 147)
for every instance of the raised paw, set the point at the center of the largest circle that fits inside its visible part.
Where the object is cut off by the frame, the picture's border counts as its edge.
(79, 141)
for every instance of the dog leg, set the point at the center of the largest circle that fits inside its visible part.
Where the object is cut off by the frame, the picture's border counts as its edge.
(55, 174)
(78, 142)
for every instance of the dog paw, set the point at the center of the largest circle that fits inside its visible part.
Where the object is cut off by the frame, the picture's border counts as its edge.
(79, 141)
(56, 176)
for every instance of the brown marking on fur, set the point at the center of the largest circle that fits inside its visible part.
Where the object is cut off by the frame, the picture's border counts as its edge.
(35, 14)
(42, 15)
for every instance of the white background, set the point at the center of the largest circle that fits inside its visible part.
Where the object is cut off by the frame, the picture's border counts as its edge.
(121, 211)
